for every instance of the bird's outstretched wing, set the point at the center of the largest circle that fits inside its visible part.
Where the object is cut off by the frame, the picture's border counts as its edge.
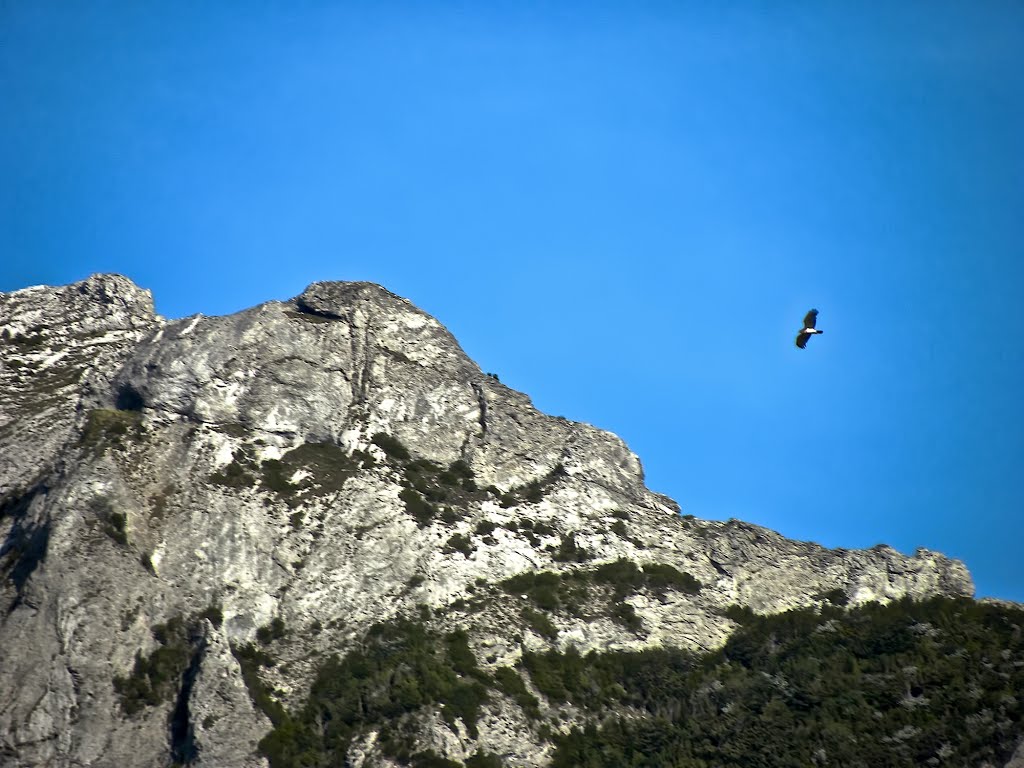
(801, 339)
(810, 319)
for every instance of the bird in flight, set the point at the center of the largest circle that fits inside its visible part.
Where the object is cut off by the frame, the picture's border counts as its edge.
(809, 330)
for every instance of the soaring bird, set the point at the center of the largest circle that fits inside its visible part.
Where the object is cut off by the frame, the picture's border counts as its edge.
(809, 330)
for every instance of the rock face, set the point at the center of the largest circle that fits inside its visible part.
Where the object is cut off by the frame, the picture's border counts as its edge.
(171, 491)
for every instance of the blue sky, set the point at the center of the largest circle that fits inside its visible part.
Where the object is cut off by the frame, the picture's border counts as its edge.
(623, 209)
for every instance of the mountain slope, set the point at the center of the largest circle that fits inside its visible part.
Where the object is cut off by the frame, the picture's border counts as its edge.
(198, 513)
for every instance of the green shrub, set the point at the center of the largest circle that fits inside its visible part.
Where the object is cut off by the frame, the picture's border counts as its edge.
(533, 491)
(483, 760)
(423, 475)
(235, 429)
(422, 511)
(400, 668)
(253, 655)
(275, 630)
(307, 316)
(543, 529)
(115, 526)
(27, 341)
(741, 614)
(449, 516)
(458, 474)
(531, 530)
(234, 475)
(214, 613)
(540, 623)
(325, 466)
(576, 592)
(391, 446)
(459, 543)
(876, 685)
(622, 575)
(625, 614)
(276, 477)
(619, 529)
(430, 759)
(836, 597)
(541, 587)
(250, 660)
(106, 428)
(328, 466)
(557, 676)
(157, 677)
(240, 472)
(570, 552)
(660, 577)
(485, 528)
(508, 681)
(454, 486)
(461, 469)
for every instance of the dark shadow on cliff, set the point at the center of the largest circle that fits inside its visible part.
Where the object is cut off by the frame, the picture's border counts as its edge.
(25, 543)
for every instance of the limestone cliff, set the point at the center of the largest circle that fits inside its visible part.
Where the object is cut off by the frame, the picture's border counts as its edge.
(294, 473)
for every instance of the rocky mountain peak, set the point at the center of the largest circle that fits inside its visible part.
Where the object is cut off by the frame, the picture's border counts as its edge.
(97, 304)
(340, 299)
(56, 346)
(298, 472)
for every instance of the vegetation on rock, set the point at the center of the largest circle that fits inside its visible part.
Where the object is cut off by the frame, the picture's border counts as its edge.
(324, 468)
(106, 428)
(569, 551)
(240, 472)
(459, 543)
(872, 686)
(427, 484)
(533, 491)
(113, 523)
(573, 591)
(156, 677)
(939, 682)
(250, 660)
(391, 446)
(531, 530)
(399, 669)
(320, 467)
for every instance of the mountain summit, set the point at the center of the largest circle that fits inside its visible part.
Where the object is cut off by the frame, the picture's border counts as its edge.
(201, 516)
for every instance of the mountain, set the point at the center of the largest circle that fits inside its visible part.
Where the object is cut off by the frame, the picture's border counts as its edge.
(316, 531)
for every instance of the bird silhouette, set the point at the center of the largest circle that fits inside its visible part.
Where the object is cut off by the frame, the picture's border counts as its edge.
(808, 330)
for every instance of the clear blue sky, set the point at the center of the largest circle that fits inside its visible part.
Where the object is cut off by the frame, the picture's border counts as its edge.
(623, 209)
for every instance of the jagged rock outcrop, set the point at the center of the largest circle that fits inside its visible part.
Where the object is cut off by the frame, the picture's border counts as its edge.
(216, 478)
(58, 344)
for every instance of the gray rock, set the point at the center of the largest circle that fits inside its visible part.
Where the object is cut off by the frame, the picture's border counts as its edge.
(57, 345)
(225, 723)
(1017, 761)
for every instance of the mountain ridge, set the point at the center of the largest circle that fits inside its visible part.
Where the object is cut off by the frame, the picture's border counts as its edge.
(321, 465)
